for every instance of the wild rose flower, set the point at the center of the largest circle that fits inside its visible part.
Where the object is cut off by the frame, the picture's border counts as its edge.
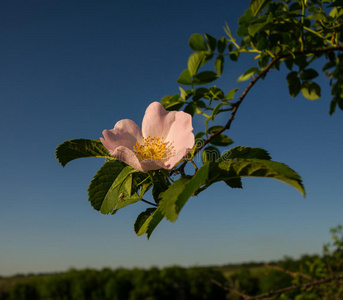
(166, 137)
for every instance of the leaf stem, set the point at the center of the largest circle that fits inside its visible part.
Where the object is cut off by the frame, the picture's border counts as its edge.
(146, 201)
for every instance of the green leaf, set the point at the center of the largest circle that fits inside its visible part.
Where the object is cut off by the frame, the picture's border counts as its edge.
(255, 27)
(233, 168)
(185, 78)
(172, 102)
(221, 140)
(246, 152)
(310, 90)
(78, 148)
(160, 184)
(257, 5)
(121, 187)
(337, 3)
(102, 182)
(294, 83)
(216, 110)
(204, 77)
(249, 73)
(147, 221)
(190, 109)
(219, 64)
(308, 74)
(197, 42)
(176, 196)
(195, 61)
(210, 154)
(235, 183)
(230, 95)
(211, 41)
(222, 42)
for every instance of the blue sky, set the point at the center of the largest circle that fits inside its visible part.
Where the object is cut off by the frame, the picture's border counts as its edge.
(70, 69)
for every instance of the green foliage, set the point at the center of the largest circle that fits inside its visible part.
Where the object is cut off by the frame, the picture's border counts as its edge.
(78, 148)
(295, 34)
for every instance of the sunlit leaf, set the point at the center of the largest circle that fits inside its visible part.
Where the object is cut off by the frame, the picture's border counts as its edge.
(311, 90)
(176, 196)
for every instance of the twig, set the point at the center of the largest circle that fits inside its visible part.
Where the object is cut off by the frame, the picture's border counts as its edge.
(280, 291)
(149, 202)
(246, 91)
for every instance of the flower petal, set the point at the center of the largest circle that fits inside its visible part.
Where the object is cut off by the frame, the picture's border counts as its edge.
(127, 156)
(157, 121)
(125, 133)
(180, 136)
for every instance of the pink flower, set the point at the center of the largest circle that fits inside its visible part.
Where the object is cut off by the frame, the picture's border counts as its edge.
(165, 138)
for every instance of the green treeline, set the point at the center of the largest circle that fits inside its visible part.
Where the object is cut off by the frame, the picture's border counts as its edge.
(233, 282)
(167, 283)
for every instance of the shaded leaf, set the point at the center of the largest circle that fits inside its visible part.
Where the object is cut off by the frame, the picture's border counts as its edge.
(204, 77)
(176, 196)
(294, 83)
(197, 42)
(121, 187)
(235, 183)
(308, 74)
(78, 148)
(221, 140)
(210, 154)
(222, 42)
(102, 181)
(257, 5)
(240, 167)
(147, 221)
(212, 42)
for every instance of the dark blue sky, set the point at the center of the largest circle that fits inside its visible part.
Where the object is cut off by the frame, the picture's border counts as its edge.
(69, 69)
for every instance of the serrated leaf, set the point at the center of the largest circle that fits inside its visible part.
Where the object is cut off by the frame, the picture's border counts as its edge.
(176, 196)
(185, 78)
(147, 221)
(210, 154)
(102, 181)
(219, 64)
(246, 152)
(197, 42)
(79, 148)
(310, 90)
(195, 61)
(233, 168)
(121, 187)
(160, 184)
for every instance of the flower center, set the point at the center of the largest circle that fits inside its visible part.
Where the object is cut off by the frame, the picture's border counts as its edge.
(153, 148)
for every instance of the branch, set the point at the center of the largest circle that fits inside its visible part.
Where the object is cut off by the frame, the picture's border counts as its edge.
(252, 83)
(246, 91)
(280, 291)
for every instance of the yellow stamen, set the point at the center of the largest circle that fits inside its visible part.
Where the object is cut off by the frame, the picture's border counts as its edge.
(153, 148)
